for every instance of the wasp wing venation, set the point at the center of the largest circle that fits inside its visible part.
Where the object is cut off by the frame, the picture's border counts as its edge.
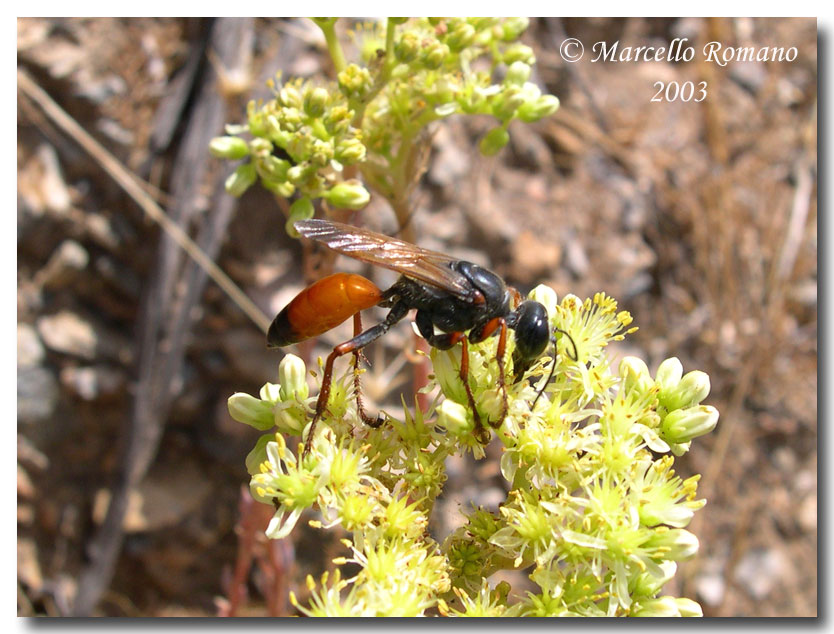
(430, 267)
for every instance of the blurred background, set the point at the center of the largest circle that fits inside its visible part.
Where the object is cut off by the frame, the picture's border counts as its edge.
(700, 218)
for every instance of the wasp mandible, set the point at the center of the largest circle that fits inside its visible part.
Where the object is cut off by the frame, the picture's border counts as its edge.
(463, 301)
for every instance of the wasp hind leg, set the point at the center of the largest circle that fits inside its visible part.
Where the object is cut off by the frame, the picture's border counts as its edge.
(370, 421)
(397, 312)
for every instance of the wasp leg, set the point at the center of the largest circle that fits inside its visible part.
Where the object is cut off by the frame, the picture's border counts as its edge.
(397, 312)
(445, 341)
(357, 384)
(477, 335)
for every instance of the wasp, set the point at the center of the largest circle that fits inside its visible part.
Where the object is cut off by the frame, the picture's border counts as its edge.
(456, 302)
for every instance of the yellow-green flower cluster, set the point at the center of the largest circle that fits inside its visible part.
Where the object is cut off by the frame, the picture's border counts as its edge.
(442, 66)
(302, 139)
(595, 511)
(410, 73)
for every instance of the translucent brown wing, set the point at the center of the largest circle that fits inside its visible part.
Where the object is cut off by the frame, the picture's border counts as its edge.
(430, 267)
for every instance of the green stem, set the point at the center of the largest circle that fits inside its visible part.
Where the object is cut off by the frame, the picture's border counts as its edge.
(384, 74)
(328, 28)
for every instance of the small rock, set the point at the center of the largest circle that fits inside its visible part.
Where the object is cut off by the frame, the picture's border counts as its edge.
(68, 333)
(56, 193)
(93, 382)
(711, 588)
(25, 487)
(807, 514)
(63, 266)
(37, 394)
(576, 258)
(760, 570)
(28, 568)
(30, 350)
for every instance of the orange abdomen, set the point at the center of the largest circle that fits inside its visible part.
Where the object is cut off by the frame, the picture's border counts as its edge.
(321, 307)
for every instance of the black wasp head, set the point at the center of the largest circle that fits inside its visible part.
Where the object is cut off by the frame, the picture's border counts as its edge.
(532, 334)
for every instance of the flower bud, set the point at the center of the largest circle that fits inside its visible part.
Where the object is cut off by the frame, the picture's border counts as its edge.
(545, 296)
(349, 151)
(461, 36)
(241, 179)
(688, 607)
(481, 23)
(662, 606)
(301, 209)
(228, 147)
(519, 53)
(692, 389)
(517, 74)
(290, 97)
(321, 153)
(292, 375)
(669, 375)
(337, 120)
(675, 544)
(245, 408)
(272, 168)
(315, 101)
(682, 425)
(434, 55)
(505, 105)
(260, 147)
(647, 584)
(284, 189)
(407, 48)
(355, 82)
(453, 417)
(512, 28)
(493, 141)
(540, 108)
(635, 374)
(348, 195)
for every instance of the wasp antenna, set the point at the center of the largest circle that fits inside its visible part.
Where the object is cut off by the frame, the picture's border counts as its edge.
(574, 357)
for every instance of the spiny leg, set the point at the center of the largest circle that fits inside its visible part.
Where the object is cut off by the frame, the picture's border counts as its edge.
(397, 312)
(445, 341)
(481, 433)
(357, 384)
(502, 348)
(480, 333)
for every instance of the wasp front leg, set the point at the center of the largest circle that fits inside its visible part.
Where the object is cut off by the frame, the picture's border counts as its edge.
(479, 334)
(445, 341)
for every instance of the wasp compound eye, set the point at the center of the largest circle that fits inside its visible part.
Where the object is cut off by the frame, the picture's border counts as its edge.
(532, 332)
